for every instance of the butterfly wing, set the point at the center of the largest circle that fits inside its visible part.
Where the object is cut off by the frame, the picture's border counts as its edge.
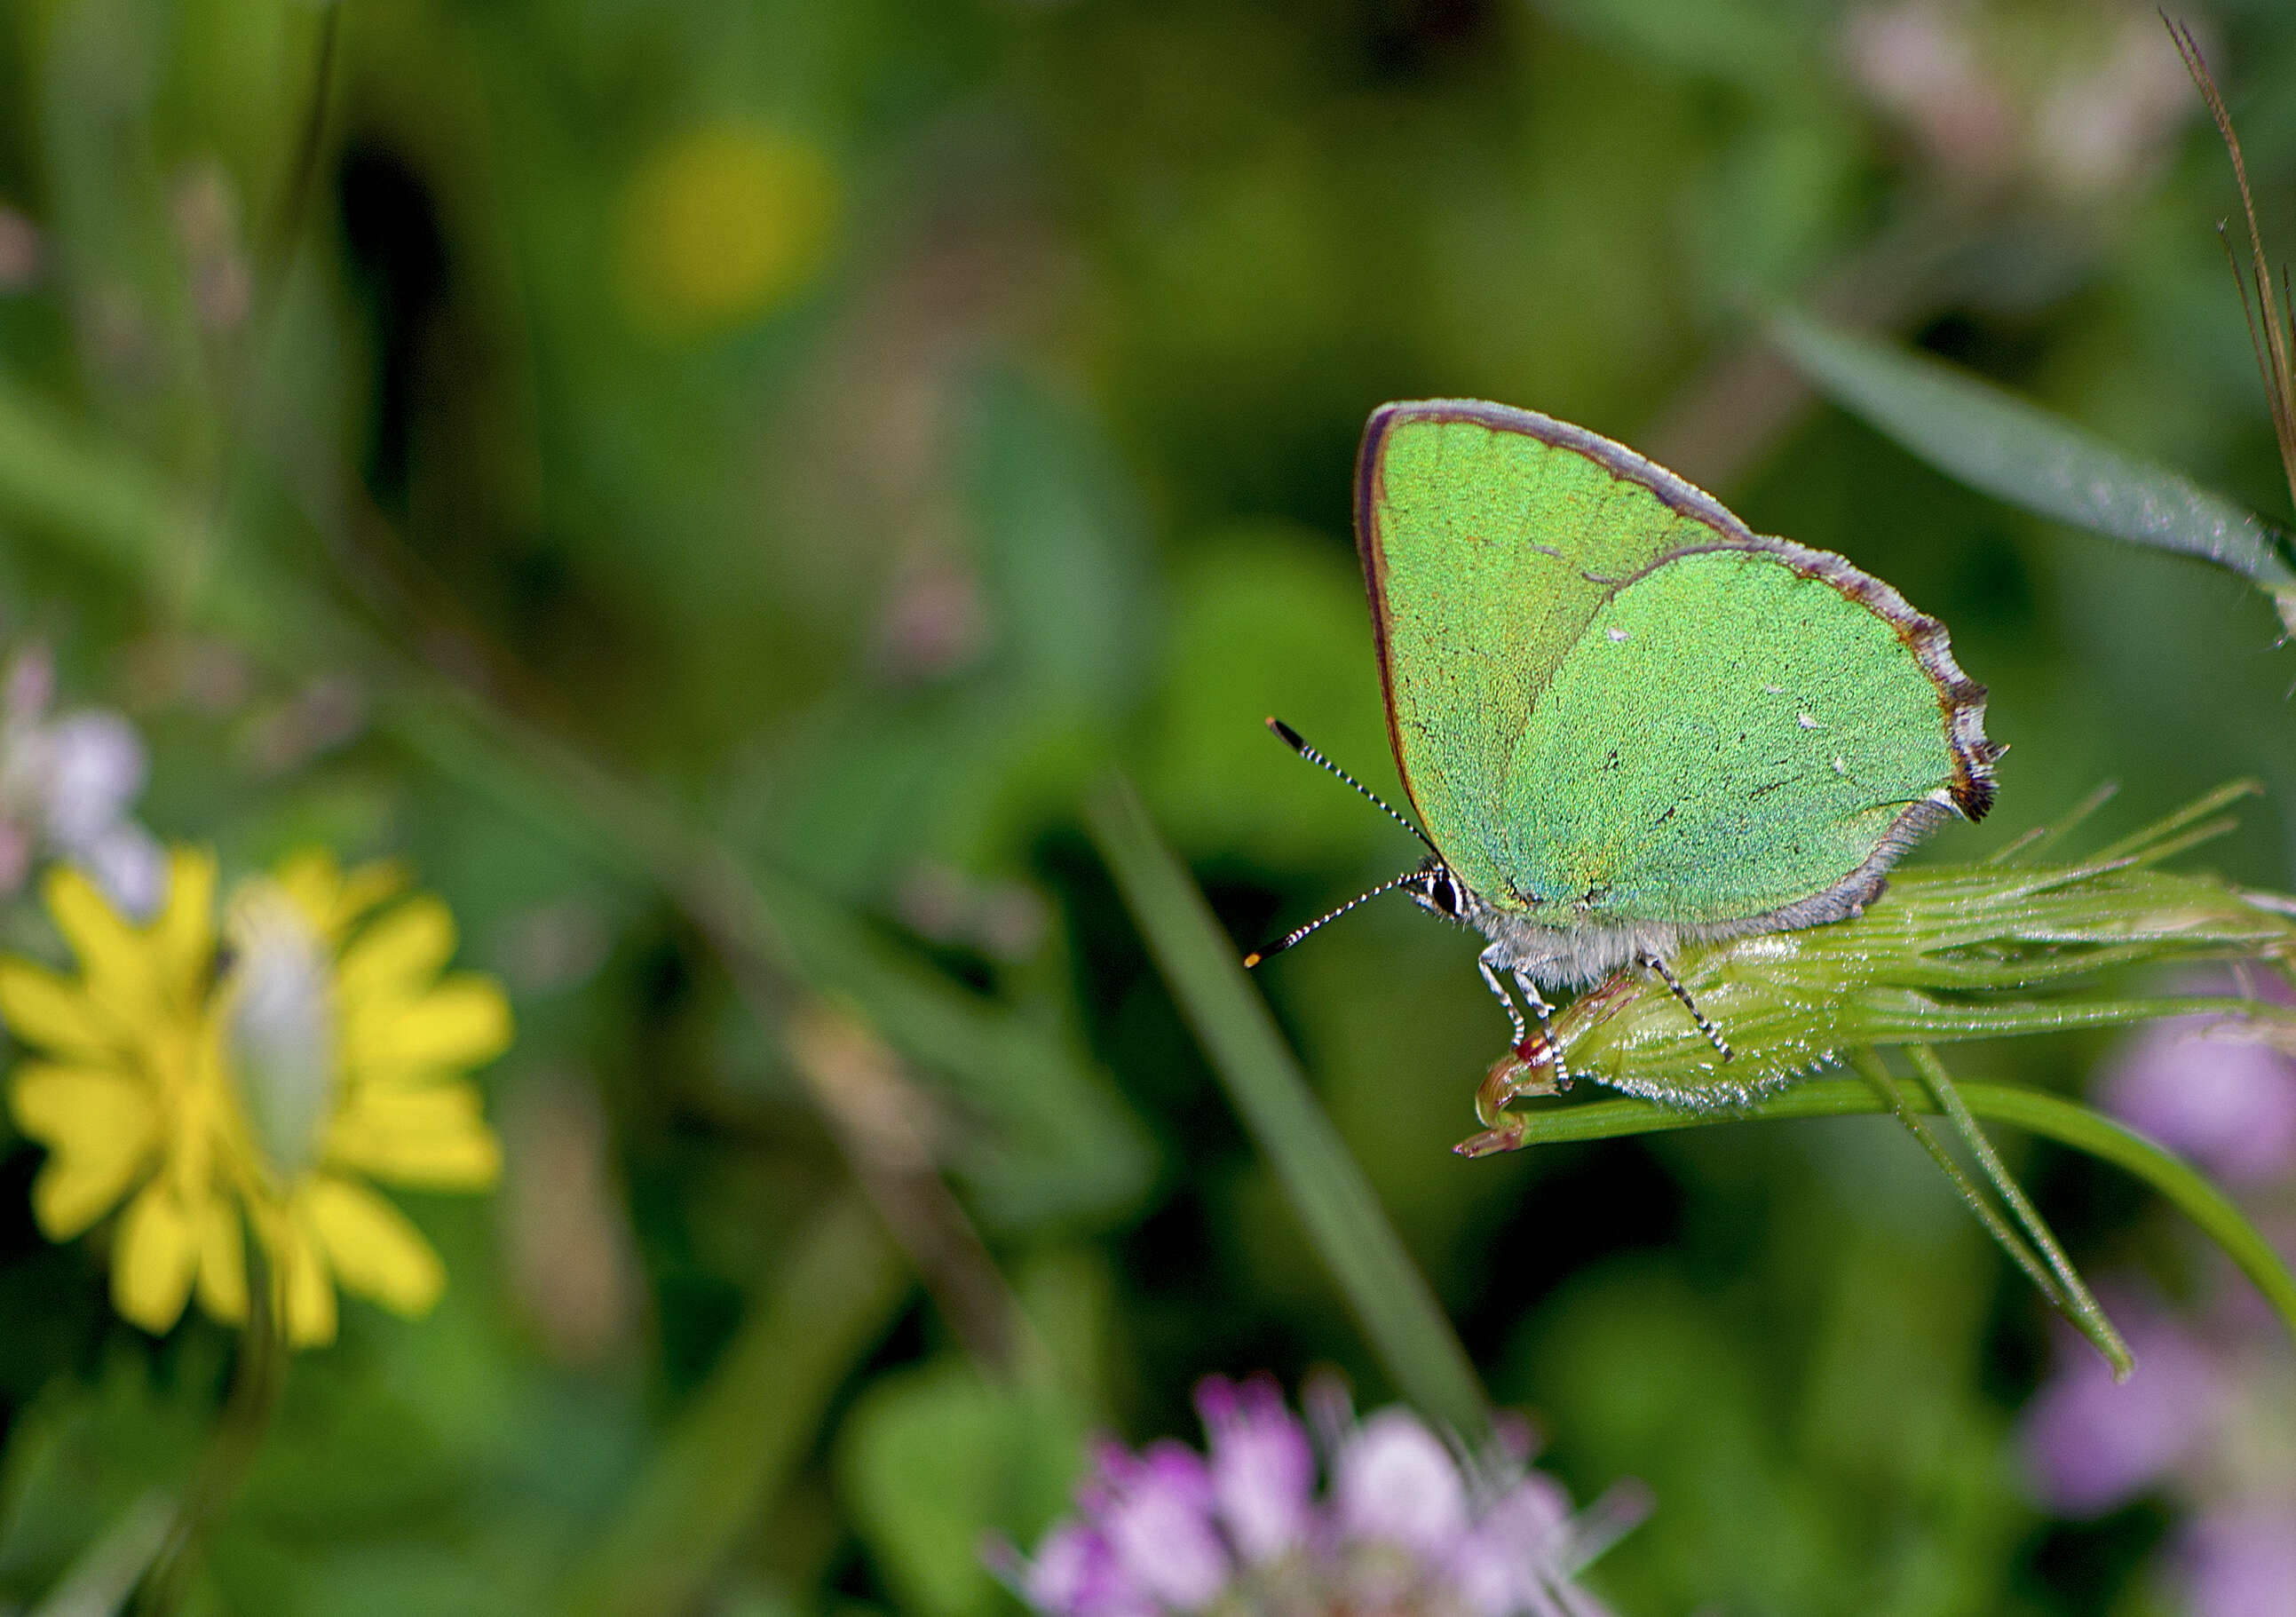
(1491, 537)
(1740, 732)
(1597, 680)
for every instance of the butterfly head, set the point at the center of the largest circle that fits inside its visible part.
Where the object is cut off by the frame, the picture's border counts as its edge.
(1435, 888)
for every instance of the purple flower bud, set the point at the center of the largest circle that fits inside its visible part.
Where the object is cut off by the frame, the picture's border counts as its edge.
(95, 768)
(1395, 1482)
(2242, 1562)
(131, 866)
(1402, 1528)
(2091, 1444)
(2230, 1103)
(1263, 1470)
(1157, 1515)
(1498, 1564)
(1075, 1574)
(31, 685)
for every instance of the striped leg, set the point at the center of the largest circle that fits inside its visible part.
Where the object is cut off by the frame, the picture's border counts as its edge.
(1652, 962)
(1539, 1008)
(1514, 1017)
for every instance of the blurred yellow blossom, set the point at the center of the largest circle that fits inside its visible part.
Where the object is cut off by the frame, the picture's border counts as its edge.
(721, 223)
(131, 1099)
(320, 1048)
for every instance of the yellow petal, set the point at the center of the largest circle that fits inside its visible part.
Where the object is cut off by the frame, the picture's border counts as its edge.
(375, 1250)
(365, 888)
(462, 1023)
(306, 1291)
(312, 878)
(432, 1135)
(333, 901)
(43, 1009)
(152, 1261)
(119, 966)
(399, 956)
(183, 935)
(223, 1263)
(100, 1127)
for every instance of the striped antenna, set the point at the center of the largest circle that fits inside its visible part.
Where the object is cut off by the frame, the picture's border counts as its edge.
(1290, 937)
(1291, 738)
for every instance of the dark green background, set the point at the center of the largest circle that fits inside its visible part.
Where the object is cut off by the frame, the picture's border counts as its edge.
(1042, 464)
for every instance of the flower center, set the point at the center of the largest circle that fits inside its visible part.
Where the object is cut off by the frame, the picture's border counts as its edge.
(279, 1026)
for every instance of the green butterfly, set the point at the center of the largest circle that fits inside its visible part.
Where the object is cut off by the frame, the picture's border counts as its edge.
(1628, 722)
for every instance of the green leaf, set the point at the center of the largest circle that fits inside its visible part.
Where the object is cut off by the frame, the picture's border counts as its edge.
(934, 1459)
(1391, 1299)
(1065, 551)
(1920, 965)
(83, 1455)
(2014, 450)
(1267, 619)
(1760, 47)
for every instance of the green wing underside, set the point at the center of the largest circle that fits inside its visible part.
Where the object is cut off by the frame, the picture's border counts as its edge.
(1612, 705)
(1728, 736)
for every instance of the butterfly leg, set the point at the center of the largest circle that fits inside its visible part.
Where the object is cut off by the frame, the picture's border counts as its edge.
(1514, 1017)
(1539, 1008)
(1486, 963)
(1665, 974)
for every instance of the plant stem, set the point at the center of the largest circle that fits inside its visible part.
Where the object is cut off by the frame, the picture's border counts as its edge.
(2050, 1116)
(2080, 1304)
(232, 1446)
(1328, 1189)
(1868, 1063)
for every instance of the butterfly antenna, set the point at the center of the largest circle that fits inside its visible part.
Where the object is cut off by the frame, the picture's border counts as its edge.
(1290, 937)
(1291, 738)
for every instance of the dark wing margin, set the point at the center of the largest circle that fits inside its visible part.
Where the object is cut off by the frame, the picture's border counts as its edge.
(1375, 569)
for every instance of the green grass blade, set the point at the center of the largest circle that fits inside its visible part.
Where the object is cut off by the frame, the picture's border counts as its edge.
(1328, 1189)
(2050, 1116)
(2015, 451)
(1893, 1101)
(2054, 1118)
(2158, 840)
(751, 1423)
(2080, 1305)
(2030, 847)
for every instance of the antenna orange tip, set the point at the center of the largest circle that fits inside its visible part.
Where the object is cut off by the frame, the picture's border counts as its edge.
(1253, 959)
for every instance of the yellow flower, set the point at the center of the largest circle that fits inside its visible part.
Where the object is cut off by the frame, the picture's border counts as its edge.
(131, 1100)
(327, 1052)
(723, 224)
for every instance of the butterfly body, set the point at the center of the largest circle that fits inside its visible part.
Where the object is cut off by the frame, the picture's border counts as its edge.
(1565, 956)
(1627, 721)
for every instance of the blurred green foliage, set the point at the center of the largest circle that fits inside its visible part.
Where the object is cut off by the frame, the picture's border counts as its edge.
(711, 483)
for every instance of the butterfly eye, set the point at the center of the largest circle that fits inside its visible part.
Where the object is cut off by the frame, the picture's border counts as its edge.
(1443, 891)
